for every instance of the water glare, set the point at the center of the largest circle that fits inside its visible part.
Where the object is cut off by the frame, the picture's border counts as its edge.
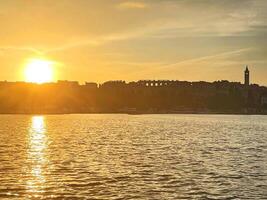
(36, 155)
(133, 157)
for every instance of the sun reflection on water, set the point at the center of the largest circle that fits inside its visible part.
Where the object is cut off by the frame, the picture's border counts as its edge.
(36, 155)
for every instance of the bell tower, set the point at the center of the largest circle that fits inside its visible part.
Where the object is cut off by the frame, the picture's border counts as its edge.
(246, 77)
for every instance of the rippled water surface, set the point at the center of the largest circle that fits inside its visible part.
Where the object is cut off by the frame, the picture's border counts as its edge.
(133, 157)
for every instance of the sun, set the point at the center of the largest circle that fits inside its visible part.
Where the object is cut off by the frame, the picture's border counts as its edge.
(39, 71)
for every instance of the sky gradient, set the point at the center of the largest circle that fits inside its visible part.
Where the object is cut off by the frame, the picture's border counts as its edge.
(146, 39)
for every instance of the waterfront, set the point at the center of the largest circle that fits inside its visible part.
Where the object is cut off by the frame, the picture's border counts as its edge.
(133, 157)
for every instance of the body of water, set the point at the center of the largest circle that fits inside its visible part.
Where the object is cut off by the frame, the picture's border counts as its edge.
(133, 157)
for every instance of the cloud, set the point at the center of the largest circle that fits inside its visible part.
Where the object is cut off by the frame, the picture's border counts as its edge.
(210, 57)
(132, 5)
(197, 61)
(101, 40)
(20, 48)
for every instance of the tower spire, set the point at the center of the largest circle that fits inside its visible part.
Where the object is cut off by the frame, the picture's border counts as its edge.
(247, 83)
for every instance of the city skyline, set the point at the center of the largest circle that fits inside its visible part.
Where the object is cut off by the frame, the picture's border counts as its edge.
(135, 40)
(246, 80)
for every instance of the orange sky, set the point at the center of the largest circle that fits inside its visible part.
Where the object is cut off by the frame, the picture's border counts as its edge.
(103, 40)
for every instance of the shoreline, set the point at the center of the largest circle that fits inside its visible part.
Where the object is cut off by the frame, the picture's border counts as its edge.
(133, 113)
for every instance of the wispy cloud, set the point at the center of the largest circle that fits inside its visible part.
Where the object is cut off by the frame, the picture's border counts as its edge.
(197, 61)
(132, 5)
(221, 59)
(95, 41)
(77, 44)
(208, 58)
(21, 48)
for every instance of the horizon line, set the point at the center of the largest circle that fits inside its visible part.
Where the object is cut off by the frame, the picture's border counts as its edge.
(127, 82)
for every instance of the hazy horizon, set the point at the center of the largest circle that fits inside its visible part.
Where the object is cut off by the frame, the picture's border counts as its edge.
(133, 40)
(127, 81)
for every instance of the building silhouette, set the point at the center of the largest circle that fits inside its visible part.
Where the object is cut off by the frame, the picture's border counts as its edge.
(247, 83)
(144, 96)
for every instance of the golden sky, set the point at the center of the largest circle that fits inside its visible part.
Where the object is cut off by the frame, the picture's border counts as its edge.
(99, 40)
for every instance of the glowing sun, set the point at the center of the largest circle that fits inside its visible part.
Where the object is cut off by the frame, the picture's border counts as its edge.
(39, 71)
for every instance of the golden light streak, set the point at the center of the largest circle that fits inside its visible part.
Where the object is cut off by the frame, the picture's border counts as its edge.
(36, 156)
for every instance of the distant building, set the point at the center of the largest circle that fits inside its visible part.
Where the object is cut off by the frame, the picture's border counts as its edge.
(264, 100)
(91, 85)
(247, 83)
(68, 83)
(113, 84)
